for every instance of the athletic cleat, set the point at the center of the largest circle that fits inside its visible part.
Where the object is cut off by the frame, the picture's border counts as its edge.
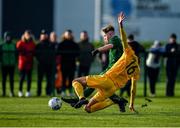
(121, 103)
(124, 100)
(70, 100)
(73, 104)
(81, 102)
(122, 106)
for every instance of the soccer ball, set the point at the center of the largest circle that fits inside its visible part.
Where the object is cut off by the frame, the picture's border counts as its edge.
(55, 103)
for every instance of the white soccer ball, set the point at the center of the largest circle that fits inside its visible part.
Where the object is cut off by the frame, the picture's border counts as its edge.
(55, 103)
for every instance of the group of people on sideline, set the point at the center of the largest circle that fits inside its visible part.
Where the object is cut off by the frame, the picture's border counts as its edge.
(49, 54)
(53, 57)
(171, 52)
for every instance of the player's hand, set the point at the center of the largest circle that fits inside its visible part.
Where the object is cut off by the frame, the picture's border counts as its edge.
(96, 51)
(121, 17)
(131, 107)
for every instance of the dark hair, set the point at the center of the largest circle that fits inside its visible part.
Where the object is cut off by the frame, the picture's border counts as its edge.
(69, 30)
(131, 37)
(108, 28)
(28, 31)
(173, 35)
(84, 31)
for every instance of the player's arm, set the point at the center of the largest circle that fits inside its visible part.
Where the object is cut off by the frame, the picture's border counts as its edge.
(123, 36)
(132, 95)
(104, 48)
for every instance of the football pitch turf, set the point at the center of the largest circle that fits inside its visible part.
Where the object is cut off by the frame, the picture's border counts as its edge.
(27, 112)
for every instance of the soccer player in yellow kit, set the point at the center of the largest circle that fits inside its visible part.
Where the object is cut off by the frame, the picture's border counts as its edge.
(125, 68)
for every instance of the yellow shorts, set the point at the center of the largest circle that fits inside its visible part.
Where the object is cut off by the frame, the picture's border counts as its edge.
(104, 85)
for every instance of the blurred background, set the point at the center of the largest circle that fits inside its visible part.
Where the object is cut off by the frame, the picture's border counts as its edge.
(147, 19)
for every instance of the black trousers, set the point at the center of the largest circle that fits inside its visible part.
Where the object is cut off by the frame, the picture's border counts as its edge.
(171, 72)
(153, 74)
(23, 75)
(46, 71)
(67, 74)
(83, 70)
(8, 70)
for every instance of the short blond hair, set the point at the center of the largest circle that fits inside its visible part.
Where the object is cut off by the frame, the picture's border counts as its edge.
(108, 28)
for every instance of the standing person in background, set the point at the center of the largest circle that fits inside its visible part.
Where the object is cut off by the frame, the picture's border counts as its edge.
(171, 50)
(85, 57)
(46, 60)
(8, 62)
(153, 65)
(53, 39)
(137, 48)
(26, 49)
(54, 43)
(104, 58)
(69, 51)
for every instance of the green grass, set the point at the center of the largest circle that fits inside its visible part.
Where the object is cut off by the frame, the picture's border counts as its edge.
(21, 112)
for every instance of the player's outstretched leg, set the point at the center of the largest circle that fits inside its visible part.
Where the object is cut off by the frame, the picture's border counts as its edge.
(79, 84)
(74, 100)
(94, 106)
(81, 102)
(120, 101)
(70, 100)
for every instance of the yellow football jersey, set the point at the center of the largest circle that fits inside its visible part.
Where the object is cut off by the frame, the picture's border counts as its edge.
(125, 68)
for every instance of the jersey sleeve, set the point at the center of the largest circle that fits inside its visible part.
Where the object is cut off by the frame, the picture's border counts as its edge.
(123, 38)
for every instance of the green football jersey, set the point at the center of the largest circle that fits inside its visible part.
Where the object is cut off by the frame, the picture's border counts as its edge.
(115, 53)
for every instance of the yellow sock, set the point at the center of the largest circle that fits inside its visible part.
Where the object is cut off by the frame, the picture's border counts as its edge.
(101, 105)
(78, 89)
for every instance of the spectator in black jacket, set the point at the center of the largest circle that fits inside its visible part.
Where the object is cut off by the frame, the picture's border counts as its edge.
(69, 51)
(45, 58)
(54, 43)
(138, 48)
(85, 52)
(171, 50)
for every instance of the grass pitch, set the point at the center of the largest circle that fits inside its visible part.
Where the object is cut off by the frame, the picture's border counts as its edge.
(26, 112)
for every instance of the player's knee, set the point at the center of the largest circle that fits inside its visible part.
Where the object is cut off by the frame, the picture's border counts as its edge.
(87, 109)
(80, 80)
(75, 80)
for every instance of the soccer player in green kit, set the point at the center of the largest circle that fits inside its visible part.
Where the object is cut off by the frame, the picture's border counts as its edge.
(112, 43)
